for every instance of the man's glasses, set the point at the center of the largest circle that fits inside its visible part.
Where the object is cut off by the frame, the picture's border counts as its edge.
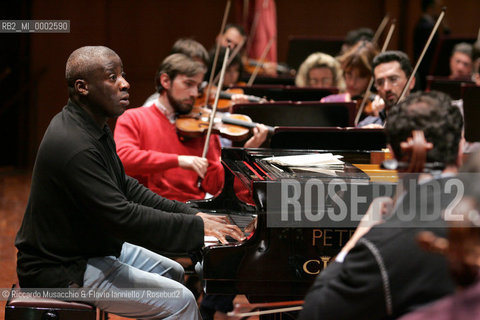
(393, 80)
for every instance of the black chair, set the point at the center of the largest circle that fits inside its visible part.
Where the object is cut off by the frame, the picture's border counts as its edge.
(350, 139)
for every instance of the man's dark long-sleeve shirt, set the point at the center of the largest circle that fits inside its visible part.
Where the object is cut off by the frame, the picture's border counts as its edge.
(387, 274)
(82, 205)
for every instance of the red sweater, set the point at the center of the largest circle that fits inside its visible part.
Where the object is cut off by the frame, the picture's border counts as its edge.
(148, 145)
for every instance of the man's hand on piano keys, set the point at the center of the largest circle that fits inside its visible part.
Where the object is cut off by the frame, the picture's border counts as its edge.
(220, 219)
(252, 226)
(219, 227)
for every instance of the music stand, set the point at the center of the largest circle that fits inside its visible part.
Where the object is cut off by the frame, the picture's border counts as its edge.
(351, 139)
(471, 111)
(446, 85)
(306, 114)
(269, 80)
(288, 93)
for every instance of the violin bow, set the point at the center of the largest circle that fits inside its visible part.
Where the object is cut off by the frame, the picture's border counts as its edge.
(215, 103)
(261, 61)
(232, 56)
(217, 50)
(380, 29)
(425, 48)
(253, 30)
(285, 306)
(264, 312)
(370, 83)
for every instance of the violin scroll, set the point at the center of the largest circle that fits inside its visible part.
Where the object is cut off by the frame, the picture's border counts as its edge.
(414, 158)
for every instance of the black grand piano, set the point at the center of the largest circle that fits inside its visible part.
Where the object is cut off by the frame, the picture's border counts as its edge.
(279, 261)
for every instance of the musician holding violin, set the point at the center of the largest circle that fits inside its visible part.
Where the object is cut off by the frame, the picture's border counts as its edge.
(391, 70)
(232, 36)
(234, 96)
(188, 47)
(320, 70)
(153, 152)
(357, 69)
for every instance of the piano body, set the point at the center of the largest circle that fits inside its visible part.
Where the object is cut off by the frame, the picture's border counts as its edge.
(277, 263)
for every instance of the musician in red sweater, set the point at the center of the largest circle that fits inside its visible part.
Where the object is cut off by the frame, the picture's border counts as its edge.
(153, 152)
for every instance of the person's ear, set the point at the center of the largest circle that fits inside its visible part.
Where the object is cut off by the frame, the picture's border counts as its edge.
(391, 151)
(165, 81)
(461, 145)
(81, 87)
(412, 84)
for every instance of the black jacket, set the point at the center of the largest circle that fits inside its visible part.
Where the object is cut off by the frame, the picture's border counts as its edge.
(387, 274)
(82, 205)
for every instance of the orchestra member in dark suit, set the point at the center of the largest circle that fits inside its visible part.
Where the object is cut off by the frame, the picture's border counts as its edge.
(87, 224)
(391, 70)
(430, 11)
(381, 272)
(462, 248)
(461, 63)
(232, 36)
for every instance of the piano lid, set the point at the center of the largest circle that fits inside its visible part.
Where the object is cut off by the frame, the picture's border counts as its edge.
(259, 165)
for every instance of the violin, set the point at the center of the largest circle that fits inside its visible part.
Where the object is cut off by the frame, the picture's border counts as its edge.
(235, 127)
(267, 68)
(225, 101)
(372, 103)
(367, 96)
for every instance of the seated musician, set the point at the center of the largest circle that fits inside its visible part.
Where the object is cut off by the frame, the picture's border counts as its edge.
(391, 70)
(231, 79)
(355, 36)
(232, 36)
(381, 272)
(462, 249)
(83, 208)
(232, 73)
(188, 47)
(461, 62)
(320, 70)
(357, 69)
(153, 152)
